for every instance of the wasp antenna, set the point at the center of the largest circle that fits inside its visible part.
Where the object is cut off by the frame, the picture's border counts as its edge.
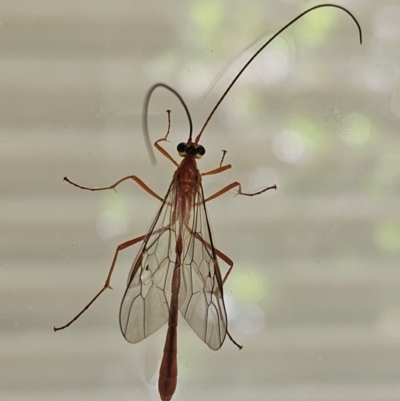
(264, 46)
(226, 67)
(146, 112)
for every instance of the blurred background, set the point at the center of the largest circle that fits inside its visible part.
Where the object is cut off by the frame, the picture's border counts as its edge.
(314, 295)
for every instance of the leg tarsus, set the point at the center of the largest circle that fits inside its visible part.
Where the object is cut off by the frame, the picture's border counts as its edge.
(254, 193)
(231, 338)
(224, 152)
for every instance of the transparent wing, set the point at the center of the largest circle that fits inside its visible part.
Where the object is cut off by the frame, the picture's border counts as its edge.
(201, 295)
(145, 305)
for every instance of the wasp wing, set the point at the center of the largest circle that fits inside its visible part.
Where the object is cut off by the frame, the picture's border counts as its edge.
(201, 296)
(145, 305)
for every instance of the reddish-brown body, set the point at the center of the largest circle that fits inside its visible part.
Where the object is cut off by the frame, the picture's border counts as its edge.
(187, 180)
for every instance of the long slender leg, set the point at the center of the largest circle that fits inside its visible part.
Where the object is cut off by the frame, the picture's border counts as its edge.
(165, 139)
(220, 254)
(240, 192)
(222, 168)
(107, 283)
(228, 261)
(113, 186)
(106, 286)
(219, 169)
(134, 177)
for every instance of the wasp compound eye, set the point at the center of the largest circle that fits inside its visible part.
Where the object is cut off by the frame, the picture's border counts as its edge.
(182, 148)
(200, 150)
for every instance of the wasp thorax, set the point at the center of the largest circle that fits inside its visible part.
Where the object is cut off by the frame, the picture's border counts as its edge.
(192, 149)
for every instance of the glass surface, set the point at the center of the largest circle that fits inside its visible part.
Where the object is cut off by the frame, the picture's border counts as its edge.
(314, 296)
